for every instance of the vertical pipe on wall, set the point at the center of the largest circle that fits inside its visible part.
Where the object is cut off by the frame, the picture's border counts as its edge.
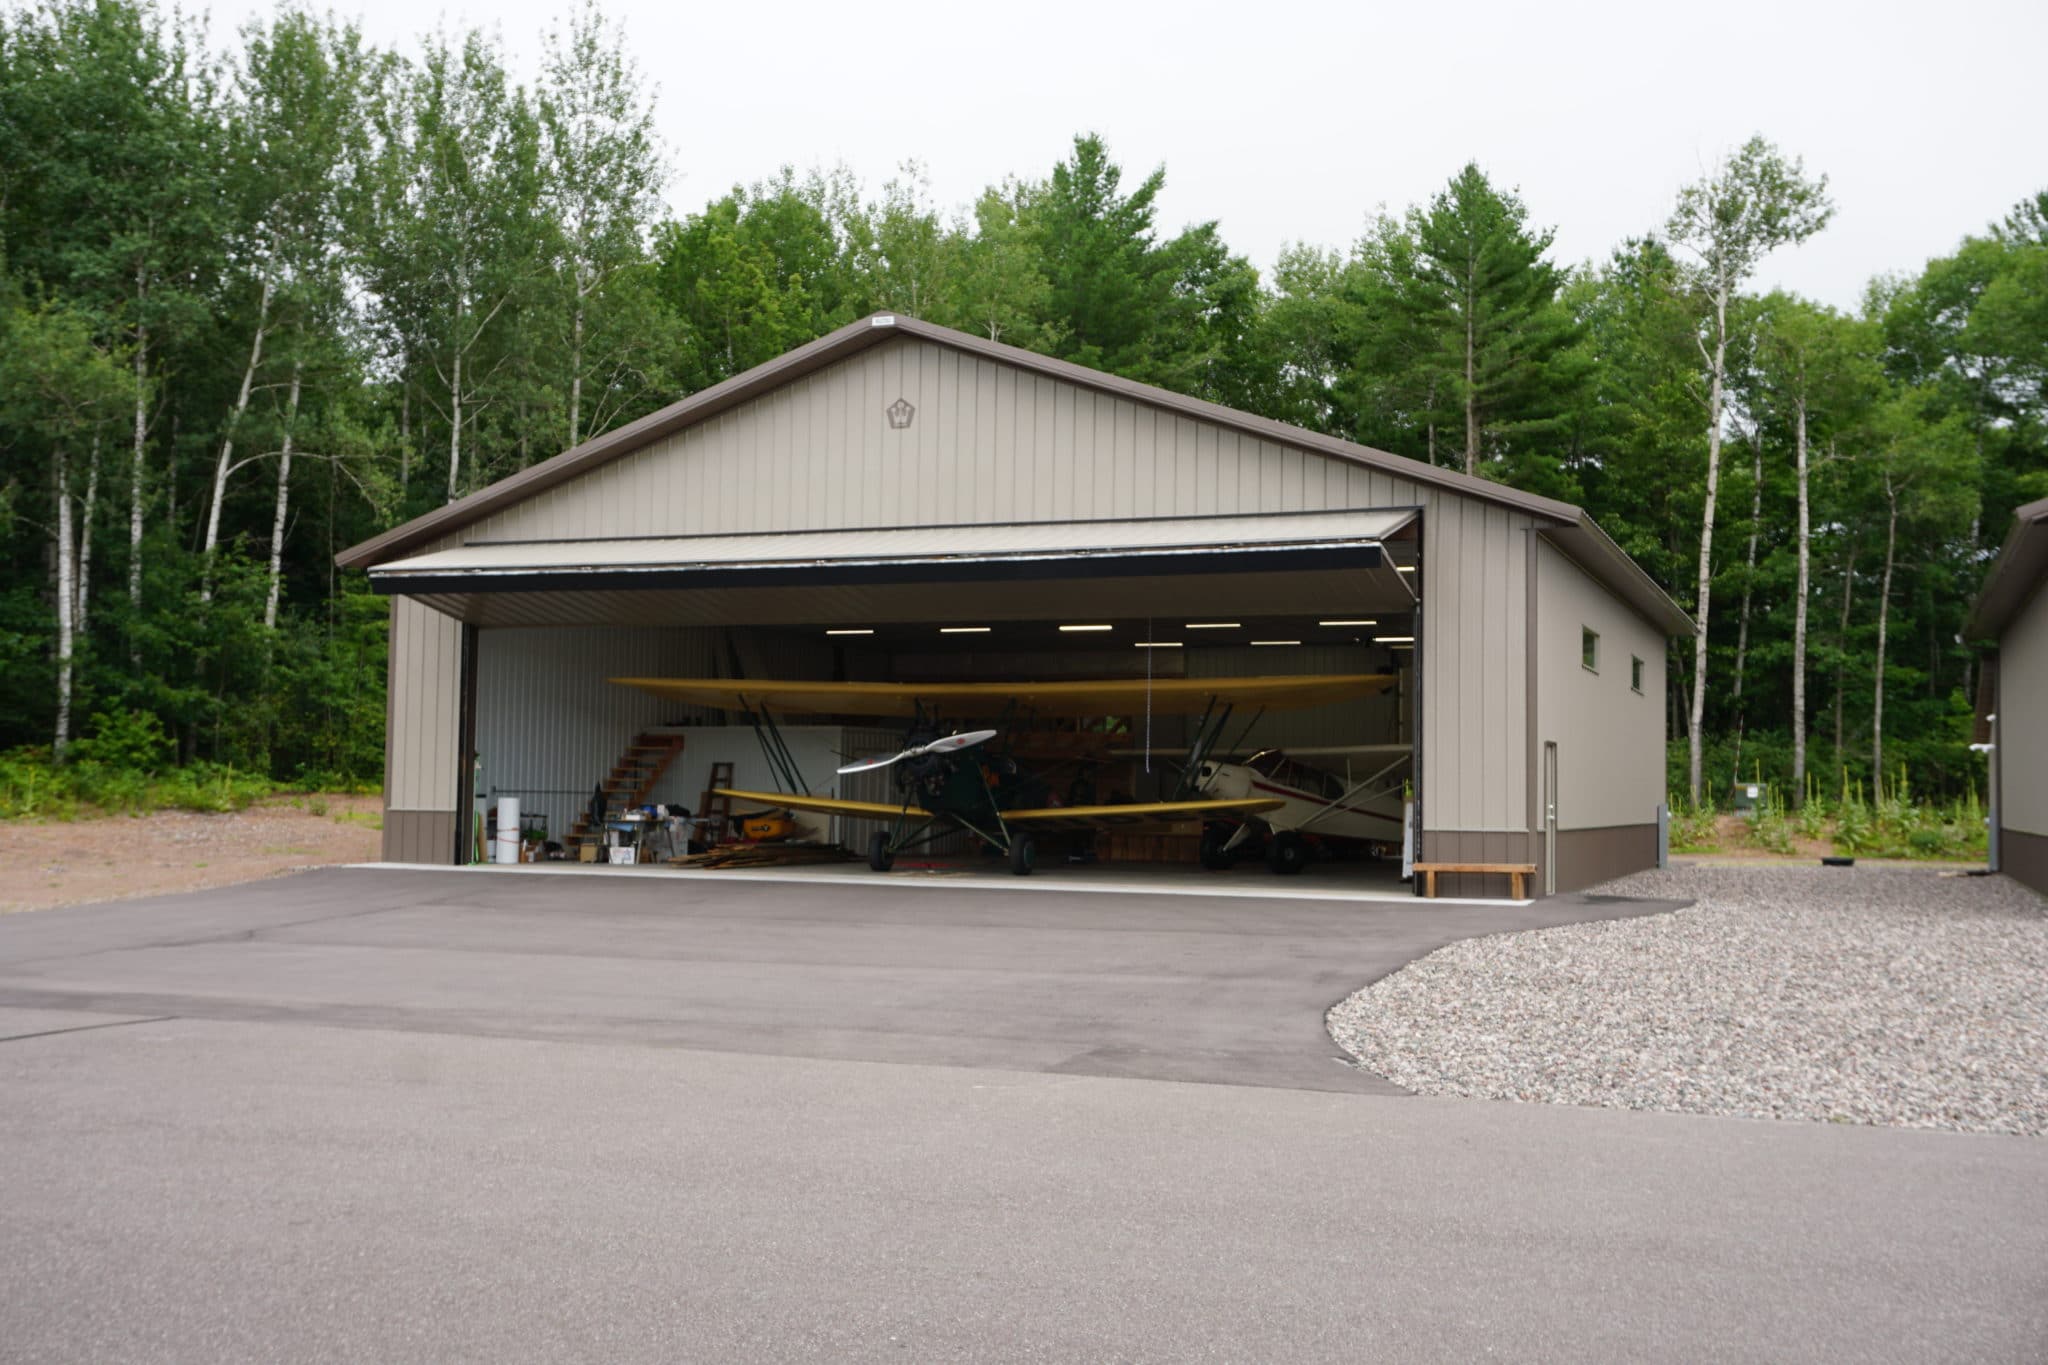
(465, 752)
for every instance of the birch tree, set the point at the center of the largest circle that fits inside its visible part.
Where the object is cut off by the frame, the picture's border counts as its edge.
(1754, 202)
(605, 172)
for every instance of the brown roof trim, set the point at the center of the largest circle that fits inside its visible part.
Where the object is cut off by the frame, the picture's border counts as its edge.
(1596, 552)
(2018, 572)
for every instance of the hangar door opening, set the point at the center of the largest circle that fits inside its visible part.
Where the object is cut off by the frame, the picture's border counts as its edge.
(1197, 606)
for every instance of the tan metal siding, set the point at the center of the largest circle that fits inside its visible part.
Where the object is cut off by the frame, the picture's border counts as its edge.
(1474, 686)
(988, 443)
(425, 683)
(2023, 719)
(1610, 739)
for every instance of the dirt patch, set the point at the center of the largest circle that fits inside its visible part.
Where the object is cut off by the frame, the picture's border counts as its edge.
(68, 862)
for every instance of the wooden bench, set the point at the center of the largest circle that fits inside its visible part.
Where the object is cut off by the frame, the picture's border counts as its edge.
(1514, 872)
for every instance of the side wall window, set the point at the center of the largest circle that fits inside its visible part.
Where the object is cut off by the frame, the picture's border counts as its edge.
(1635, 673)
(1589, 649)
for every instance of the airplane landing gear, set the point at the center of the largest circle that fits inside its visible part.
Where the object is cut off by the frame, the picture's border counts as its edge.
(1287, 852)
(880, 856)
(1023, 854)
(1217, 856)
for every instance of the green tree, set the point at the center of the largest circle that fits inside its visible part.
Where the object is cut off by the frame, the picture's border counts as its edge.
(1754, 202)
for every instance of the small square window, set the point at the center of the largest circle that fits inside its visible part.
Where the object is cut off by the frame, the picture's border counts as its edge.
(1635, 673)
(1589, 649)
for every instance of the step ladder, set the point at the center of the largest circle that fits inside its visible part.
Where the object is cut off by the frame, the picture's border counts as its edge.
(714, 811)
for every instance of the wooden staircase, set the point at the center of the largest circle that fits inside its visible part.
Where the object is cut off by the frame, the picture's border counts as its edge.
(631, 782)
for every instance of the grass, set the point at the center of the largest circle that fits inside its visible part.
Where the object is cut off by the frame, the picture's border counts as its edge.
(34, 788)
(1889, 824)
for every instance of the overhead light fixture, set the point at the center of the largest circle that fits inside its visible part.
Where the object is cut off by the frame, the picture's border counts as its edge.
(1075, 628)
(862, 631)
(1347, 623)
(1404, 568)
(1395, 639)
(963, 630)
(1157, 644)
(1276, 642)
(1212, 625)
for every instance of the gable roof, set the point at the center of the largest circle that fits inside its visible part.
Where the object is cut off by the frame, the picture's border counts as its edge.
(1571, 529)
(2020, 569)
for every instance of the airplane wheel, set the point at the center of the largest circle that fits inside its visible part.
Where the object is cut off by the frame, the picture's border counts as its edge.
(1215, 856)
(880, 856)
(1287, 854)
(1023, 854)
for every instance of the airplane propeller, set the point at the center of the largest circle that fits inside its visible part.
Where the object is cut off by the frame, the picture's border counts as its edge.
(945, 745)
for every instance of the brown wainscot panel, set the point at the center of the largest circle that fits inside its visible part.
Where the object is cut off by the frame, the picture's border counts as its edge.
(1587, 857)
(419, 836)
(2024, 857)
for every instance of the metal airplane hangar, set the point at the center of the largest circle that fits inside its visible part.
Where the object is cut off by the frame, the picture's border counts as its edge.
(901, 503)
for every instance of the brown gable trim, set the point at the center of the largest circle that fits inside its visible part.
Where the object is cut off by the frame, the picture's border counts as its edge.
(1576, 532)
(2020, 569)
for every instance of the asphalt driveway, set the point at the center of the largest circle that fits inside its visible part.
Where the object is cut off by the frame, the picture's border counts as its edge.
(379, 1115)
(1211, 988)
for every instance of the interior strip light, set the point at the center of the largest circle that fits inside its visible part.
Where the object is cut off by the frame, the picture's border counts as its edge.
(863, 631)
(1157, 644)
(963, 630)
(1212, 625)
(1394, 639)
(1404, 568)
(1074, 628)
(1276, 642)
(1347, 623)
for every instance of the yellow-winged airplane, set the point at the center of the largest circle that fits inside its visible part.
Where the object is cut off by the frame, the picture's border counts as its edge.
(942, 788)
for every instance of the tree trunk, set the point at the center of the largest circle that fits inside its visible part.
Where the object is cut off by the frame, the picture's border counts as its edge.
(1756, 514)
(576, 376)
(224, 462)
(1704, 600)
(455, 417)
(67, 599)
(1884, 602)
(404, 438)
(1842, 648)
(136, 481)
(80, 612)
(1799, 611)
(1471, 393)
(284, 491)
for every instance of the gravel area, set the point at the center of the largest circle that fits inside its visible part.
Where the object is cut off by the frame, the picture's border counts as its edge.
(45, 863)
(1895, 996)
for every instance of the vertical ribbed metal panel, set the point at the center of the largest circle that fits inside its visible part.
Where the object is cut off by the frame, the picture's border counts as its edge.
(1609, 737)
(1475, 687)
(988, 443)
(425, 682)
(549, 723)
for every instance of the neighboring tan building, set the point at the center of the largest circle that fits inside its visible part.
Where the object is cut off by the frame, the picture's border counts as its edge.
(2012, 613)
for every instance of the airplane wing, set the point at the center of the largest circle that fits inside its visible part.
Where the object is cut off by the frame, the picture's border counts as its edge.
(1073, 698)
(1102, 817)
(1051, 817)
(823, 805)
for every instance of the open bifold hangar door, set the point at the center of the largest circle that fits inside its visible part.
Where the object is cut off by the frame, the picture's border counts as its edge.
(1319, 561)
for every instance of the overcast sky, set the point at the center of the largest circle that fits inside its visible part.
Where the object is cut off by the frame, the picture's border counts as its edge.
(1296, 121)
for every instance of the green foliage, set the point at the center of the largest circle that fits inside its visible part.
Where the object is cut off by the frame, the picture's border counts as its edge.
(429, 274)
(33, 787)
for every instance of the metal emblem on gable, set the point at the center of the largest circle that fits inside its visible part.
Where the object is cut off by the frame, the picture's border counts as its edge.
(900, 412)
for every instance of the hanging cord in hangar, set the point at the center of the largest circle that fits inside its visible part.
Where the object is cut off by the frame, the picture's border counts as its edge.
(1148, 695)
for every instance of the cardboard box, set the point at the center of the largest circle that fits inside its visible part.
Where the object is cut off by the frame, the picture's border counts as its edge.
(621, 857)
(586, 852)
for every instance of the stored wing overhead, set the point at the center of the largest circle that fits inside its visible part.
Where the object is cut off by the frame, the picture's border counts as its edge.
(1072, 698)
(1050, 817)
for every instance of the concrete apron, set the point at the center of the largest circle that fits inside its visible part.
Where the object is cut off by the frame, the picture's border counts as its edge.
(1166, 882)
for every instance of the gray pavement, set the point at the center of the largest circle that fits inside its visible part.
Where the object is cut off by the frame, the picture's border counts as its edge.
(553, 1129)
